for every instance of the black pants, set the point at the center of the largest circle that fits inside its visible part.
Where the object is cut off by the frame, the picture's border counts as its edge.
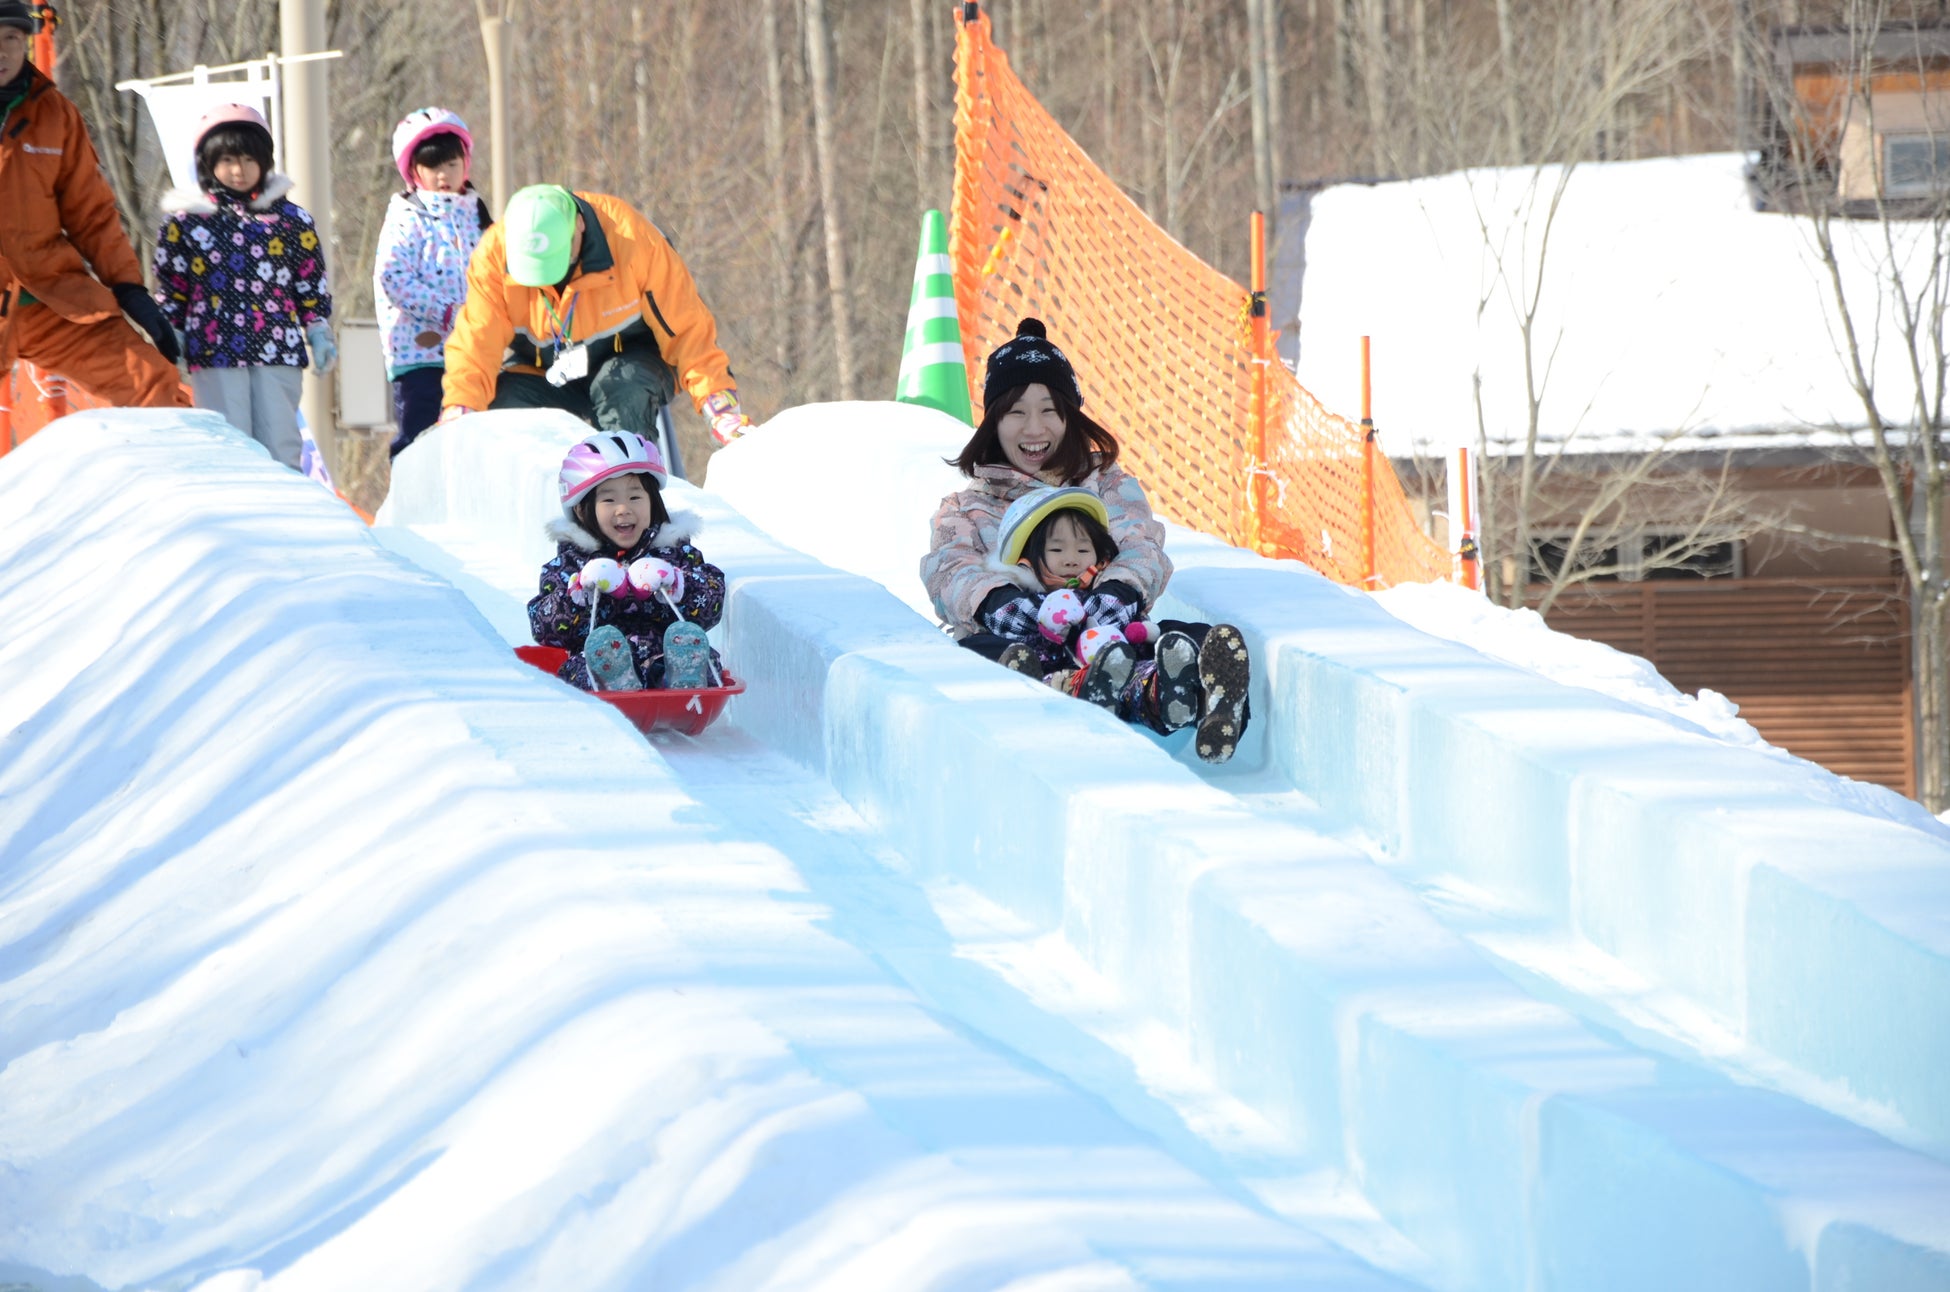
(416, 404)
(625, 392)
(1136, 706)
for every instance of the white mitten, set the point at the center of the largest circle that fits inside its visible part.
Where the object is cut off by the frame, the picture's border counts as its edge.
(601, 574)
(1094, 640)
(1061, 612)
(650, 575)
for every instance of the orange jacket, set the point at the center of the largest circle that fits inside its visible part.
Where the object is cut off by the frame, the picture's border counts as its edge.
(57, 214)
(628, 288)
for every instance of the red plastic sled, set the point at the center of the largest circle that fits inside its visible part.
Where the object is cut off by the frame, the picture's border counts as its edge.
(687, 711)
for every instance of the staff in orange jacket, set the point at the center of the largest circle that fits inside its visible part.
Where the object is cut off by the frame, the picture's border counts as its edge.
(577, 301)
(57, 221)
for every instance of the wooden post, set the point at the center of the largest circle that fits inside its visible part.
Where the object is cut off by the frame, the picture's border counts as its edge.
(1367, 470)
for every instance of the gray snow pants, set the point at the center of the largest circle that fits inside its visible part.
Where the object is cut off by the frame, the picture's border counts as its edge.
(261, 401)
(624, 393)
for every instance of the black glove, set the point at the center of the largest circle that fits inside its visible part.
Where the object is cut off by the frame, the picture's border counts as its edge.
(136, 302)
(1008, 611)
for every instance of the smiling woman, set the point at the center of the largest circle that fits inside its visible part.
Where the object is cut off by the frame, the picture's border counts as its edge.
(1034, 434)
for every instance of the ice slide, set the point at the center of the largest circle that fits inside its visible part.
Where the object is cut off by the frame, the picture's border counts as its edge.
(909, 919)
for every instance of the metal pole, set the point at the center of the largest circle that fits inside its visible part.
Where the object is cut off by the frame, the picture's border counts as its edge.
(1256, 482)
(308, 160)
(494, 42)
(1367, 471)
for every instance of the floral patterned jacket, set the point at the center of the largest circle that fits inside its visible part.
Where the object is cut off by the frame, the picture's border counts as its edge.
(241, 280)
(958, 570)
(558, 619)
(419, 272)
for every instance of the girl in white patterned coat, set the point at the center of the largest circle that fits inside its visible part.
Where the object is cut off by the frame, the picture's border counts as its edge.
(419, 275)
(1034, 434)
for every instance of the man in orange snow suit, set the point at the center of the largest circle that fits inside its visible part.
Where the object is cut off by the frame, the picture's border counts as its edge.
(58, 220)
(577, 301)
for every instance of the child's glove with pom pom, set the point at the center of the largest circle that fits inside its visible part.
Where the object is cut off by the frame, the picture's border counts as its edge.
(1140, 631)
(1062, 611)
(601, 574)
(1094, 640)
(650, 575)
(728, 421)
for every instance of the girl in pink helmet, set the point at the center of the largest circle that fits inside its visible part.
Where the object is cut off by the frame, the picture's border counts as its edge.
(240, 274)
(627, 593)
(419, 274)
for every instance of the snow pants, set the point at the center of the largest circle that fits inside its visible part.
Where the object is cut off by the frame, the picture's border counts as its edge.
(625, 392)
(261, 401)
(110, 359)
(416, 404)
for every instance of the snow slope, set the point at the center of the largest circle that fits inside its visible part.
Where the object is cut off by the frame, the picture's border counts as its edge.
(342, 950)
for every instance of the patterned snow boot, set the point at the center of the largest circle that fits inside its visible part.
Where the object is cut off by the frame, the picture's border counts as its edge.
(1177, 687)
(1020, 658)
(1224, 673)
(687, 657)
(611, 668)
(1103, 681)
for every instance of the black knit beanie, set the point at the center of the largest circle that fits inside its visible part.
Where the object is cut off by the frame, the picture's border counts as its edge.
(18, 13)
(1028, 359)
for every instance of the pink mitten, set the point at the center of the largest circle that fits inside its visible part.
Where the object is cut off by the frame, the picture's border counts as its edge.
(650, 575)
(1062, 611)
(727, 420)
(1094, 640)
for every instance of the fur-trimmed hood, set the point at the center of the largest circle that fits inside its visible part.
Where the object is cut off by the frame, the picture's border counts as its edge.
(1019, 574)
(682, 527)
(194, 201)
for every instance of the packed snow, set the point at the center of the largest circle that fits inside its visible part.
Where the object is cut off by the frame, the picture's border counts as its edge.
(1668, 310)
(343, 949)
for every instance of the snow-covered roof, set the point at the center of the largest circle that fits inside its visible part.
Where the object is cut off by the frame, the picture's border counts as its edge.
(1666, 306)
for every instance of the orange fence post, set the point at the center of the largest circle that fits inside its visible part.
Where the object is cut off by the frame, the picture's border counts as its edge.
(1462, 518)
(1256, 491)
(1367, 470)
(44, 40)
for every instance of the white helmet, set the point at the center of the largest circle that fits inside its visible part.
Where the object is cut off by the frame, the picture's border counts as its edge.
(603, 456)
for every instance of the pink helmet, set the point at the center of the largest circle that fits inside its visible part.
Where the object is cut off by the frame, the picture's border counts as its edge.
(418, 127)
(231, 114)
(603, 456)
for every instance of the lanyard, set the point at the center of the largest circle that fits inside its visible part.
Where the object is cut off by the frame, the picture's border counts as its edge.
(562, 322)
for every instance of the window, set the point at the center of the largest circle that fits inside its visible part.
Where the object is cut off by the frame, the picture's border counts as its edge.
(1914, 165)
(1649, 555)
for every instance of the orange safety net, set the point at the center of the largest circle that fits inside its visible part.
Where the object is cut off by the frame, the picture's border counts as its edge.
(1166, 347)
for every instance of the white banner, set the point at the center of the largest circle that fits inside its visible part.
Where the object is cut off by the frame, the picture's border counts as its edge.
(175, 110)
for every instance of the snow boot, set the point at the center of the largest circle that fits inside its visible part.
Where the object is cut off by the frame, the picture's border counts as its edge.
(1224, 674)
(611, 666)
(1018, 657)
(687, 657)
(1176, 683)
(1109, 670)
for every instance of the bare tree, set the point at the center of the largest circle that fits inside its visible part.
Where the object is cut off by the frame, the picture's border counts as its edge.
(819, 60)
(1884, 261)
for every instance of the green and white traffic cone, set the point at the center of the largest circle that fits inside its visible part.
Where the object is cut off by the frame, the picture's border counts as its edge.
(934, 371)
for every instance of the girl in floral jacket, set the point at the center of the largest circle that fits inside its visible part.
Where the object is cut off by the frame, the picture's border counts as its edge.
(241, 275)
(1034, 434)
(619, 549)
(419, 273)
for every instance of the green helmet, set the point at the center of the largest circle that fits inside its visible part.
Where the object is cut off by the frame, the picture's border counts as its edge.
(540, 225)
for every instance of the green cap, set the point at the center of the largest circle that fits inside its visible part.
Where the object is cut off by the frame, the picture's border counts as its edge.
(541, 223)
